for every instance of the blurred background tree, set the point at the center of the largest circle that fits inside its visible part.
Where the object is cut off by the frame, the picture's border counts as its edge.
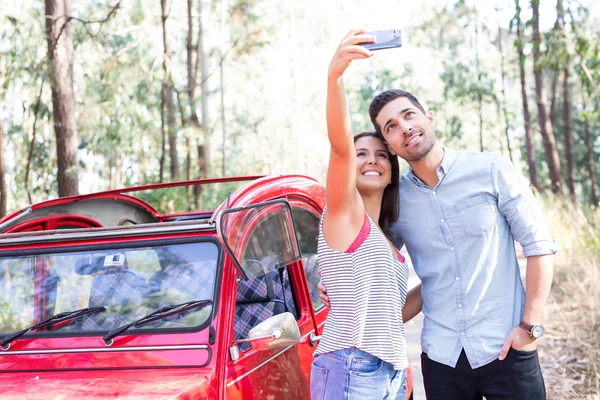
(139, 92)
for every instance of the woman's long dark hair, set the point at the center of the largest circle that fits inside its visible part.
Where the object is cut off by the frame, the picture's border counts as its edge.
(390, 205)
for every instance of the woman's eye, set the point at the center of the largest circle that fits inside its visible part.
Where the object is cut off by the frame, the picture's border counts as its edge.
(383, 155)
(360, 154)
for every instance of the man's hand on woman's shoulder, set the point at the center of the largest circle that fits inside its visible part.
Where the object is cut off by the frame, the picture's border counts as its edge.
(323, 295)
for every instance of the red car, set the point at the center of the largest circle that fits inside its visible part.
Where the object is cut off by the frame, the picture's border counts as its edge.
(103, 296)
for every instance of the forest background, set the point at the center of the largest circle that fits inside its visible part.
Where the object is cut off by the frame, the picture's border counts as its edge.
(105, 94)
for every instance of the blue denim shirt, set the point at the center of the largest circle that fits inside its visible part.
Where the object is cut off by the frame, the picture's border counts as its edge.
(461, 238)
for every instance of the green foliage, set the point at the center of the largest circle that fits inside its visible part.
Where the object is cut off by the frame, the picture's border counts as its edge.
(375, 82)
(461, 84)
(180, 199)
(119, 71)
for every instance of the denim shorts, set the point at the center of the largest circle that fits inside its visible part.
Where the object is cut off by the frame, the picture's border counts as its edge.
(350, 374)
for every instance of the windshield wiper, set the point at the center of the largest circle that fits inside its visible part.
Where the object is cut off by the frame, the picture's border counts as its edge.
(161, 313)
(63, 316)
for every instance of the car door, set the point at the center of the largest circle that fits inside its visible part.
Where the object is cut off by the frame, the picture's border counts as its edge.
(262, 239)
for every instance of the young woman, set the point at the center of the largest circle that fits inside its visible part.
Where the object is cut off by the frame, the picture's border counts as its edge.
(362, 352)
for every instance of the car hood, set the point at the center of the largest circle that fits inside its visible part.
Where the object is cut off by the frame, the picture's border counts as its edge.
(140, 384)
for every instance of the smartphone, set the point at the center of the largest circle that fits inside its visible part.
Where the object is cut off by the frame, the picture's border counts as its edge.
(386, 39)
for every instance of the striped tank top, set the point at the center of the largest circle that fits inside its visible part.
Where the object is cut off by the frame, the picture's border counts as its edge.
(367, 288)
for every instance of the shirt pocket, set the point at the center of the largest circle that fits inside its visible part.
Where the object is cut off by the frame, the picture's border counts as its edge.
(475, 215)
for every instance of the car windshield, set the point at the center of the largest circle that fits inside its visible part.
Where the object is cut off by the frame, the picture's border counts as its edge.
(129, 282)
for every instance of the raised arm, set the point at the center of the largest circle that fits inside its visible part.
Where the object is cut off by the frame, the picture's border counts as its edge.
(343, 200)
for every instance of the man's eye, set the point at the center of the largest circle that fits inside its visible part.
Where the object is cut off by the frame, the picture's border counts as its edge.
(390, 127)
(410, 114)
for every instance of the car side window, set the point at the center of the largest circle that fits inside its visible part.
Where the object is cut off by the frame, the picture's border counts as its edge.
(307, 232)
(268, 291)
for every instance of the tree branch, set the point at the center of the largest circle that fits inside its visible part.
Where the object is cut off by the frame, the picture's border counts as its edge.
(111, 13)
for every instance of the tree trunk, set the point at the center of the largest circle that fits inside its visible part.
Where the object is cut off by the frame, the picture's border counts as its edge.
(60, 58)
(163, 136)
(169, 92)
(188, 172)
(224, 6)
(3, 189)
(223, 124)
(553, 90)
(191, 71)
(203, 158)
(567, 134)
(198, 188)
(533, 177)
(479, 95)
(504, 107)
(142, 159)
(590, 155)
(566, 106)
(480, 111)
(182, 119)
(554, 65)
(36, 110)
(540, 96)
(203, 63)
(111, 172)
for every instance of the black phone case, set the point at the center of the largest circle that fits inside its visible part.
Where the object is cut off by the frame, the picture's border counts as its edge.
(385, 39)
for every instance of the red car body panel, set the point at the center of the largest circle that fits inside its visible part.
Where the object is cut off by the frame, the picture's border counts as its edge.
(190, 364)
(122, 384)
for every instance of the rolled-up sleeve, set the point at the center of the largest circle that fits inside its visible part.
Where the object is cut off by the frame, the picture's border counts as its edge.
(521, 209)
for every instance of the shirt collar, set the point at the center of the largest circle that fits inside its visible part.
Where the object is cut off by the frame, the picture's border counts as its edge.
(450, 157)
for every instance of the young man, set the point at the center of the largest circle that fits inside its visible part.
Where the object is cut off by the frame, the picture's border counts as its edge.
(460, 213)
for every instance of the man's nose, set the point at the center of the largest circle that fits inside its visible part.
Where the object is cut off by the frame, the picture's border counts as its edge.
(406, 129)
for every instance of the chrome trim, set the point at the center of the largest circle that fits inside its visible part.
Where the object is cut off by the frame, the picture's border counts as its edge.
(23, 213)
(307, 335)
(260, 365)
(104, 350)
(101, 233)
(226, 247)
(234, 352)
(250, 340)
(314, 339)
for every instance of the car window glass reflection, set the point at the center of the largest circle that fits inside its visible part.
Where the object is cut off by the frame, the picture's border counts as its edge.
(128, 282)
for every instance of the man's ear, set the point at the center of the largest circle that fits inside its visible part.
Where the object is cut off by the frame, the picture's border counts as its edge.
(430, 117)
(390, 149)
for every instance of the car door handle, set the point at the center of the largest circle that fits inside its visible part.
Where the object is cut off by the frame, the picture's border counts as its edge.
(313, 338)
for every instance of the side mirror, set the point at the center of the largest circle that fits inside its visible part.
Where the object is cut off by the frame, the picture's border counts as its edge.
(276, 332)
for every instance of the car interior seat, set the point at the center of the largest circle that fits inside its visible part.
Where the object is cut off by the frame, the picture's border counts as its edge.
(181, 282)
(115, 287)
(255, 301)
(311, 268)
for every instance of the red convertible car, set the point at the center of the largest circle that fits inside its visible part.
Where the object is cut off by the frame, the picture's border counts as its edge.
(104, 296)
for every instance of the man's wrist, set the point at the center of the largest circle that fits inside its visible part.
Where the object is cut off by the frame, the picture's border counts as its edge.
(534, 330)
